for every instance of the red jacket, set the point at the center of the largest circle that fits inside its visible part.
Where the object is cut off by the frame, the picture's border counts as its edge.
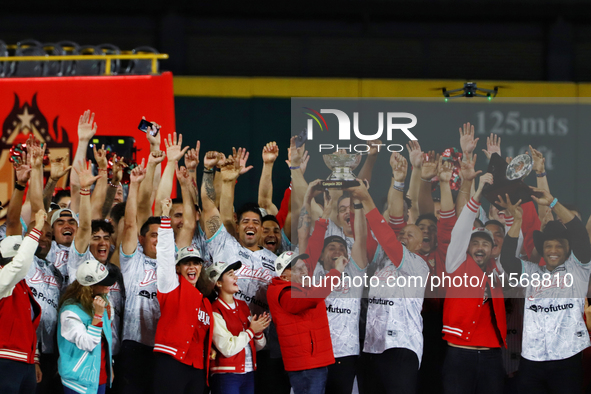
(179, 311)
(18, 337)
(302, 324)
(236, 320)
(463, 306)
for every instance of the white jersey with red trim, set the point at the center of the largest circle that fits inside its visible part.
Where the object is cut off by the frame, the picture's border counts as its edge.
(343, 306)
(257, 271)
(116, 293)
(58, 256)
(142, 309)
(45, 282)
(394, 309)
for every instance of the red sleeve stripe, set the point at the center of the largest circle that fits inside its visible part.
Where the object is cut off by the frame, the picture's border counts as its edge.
(473, 205)
(165, 223)
(35, 234)
(259, 336)
(396, 220)
(447, 214)
(509, 221)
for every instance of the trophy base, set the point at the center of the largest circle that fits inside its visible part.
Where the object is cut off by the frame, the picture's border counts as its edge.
(339, 184)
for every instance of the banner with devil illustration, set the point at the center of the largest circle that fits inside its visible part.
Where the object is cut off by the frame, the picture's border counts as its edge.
(50, 109)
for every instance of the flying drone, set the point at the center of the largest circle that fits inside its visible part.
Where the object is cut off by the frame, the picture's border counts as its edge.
(469, 90)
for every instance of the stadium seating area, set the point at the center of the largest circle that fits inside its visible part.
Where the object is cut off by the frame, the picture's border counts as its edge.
(62, 68)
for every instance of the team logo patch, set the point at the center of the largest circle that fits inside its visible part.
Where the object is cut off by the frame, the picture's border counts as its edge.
(88, 278)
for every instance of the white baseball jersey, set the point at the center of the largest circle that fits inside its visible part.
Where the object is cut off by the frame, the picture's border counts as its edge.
(200, 242)
(58, 256)
(116, 293)
(553, 326)
(343, 307)
(394, 313)
(46, 282)
(257, 271)
(142, 309)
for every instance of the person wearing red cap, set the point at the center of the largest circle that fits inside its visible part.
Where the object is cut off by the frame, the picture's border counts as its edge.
(237, 335)
(299, 313)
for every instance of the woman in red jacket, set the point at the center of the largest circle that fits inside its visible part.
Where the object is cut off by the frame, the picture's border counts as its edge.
(183, 334)
(237, 335)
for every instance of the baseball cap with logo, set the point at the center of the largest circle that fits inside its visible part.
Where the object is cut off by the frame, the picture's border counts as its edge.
(63, 213)
(286, 259)
(188, 252)
(219, 268)
(9, 246)
(92, 272)
(483, 232)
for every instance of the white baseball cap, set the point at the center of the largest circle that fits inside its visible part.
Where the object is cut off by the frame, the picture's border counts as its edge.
(92, 272)
(217, 269)
(188, 252)
(286, 259)
(10, 245)
(483, 232)
(55, 216)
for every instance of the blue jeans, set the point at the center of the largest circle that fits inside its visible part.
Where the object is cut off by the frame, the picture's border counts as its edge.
(101, 390)
(232, 383)
(309, 381)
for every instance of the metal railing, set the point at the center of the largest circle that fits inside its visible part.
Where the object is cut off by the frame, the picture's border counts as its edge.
(107, 58)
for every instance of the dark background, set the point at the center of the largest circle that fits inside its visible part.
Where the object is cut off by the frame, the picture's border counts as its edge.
(477, 39)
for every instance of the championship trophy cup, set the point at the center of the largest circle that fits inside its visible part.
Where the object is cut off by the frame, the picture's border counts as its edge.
(342, 166)
(508, 179)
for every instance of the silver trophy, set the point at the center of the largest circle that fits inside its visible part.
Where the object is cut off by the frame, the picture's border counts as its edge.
(342, 166)
(520, 167)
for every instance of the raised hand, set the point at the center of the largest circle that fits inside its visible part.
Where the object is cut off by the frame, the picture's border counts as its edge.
(23, 169)
(86, 126)
(270, 153)
(429, 167)
(211, 159)
(415, 154)
(314, 189)
(153, 140)
(138, 173)
(514, 210)
(118, 166)
(182, 174)
(100, 156)
(295, 155)
(260, 323)
(166, 205)
(84, 171)
(493, 145)
(173, 147)
(36, 151)
(545, 199)
(340, 263)
(445, 170)
(538, 159)
(40, 218)
(399, 166)
(467, 141)
(230, 171)
(59, 167)
(241, 156)
(304, 164)
(192, 158)
(467, 168)
(156, 157)
(373, 147)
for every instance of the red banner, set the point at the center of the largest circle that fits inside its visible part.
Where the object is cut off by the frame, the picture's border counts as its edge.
(50, 109)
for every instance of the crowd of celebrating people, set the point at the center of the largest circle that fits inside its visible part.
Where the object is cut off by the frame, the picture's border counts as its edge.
(121, 289)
